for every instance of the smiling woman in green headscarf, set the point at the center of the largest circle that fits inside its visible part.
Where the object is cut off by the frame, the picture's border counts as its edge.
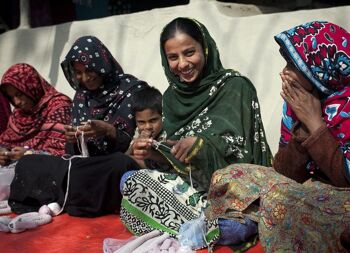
(218, 106)
(211, 119)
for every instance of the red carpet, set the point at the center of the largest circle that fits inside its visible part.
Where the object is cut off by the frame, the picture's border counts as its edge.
(67, 234)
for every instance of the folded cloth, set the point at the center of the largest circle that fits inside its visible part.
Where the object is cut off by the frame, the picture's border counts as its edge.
(4, 207)
(233, 232)
(7, 174)
(111, 245)
(28, 221)
(153, 242)
(134, 244)
(4, 223)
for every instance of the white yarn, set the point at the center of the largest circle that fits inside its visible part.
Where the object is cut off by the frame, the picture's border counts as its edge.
(190, 174)
(84, 148)
(81, 143)
(54, 208)
(68, 182)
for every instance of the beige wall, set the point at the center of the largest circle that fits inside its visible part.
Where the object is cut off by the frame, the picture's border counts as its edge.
(245, 43)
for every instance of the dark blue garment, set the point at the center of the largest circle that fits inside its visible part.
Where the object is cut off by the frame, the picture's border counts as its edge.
(233, 232)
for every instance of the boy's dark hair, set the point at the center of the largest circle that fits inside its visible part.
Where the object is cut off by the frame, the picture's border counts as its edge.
(147, 98)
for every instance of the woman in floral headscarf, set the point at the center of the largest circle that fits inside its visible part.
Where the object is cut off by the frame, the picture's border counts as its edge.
(102, 98)
(309, 214)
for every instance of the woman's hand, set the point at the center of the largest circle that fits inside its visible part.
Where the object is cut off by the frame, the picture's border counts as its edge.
(182, 147)
(97, 129)
(70, 132)
(305, 104)
(4, 156)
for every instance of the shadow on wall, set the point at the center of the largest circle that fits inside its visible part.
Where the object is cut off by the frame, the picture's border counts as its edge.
(45, 13)
(61, 36)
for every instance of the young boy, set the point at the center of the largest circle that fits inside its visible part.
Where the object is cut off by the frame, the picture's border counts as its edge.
(147, 110)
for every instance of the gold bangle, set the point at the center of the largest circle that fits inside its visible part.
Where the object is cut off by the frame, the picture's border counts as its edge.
(195, 149)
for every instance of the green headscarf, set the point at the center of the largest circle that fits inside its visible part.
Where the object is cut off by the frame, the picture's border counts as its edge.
(221, 109)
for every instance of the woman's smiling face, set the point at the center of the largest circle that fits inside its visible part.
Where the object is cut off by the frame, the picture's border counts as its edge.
(185, 57)
(87, 78)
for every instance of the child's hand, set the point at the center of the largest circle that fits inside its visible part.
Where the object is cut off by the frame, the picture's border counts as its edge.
(141, 148)
(17, 152)
(145, 134)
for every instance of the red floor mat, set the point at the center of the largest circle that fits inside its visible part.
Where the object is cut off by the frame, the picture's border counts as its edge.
(67, 234)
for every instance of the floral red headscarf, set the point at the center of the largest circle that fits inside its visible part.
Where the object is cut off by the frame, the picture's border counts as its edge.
(321, 51)
(42, 129)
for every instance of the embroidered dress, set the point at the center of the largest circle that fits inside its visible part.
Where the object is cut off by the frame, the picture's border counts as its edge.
(111, 102)
(42, 129)
(222, 110)
(295, 217)
(292, 217)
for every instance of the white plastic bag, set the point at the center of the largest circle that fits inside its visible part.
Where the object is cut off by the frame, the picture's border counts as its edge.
(192, 233)
(6, 176)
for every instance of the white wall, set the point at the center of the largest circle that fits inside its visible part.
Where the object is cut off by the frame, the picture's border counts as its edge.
(245, 43)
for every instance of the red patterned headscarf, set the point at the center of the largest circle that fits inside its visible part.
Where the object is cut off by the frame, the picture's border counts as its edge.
(42, 129)
(321, 51)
